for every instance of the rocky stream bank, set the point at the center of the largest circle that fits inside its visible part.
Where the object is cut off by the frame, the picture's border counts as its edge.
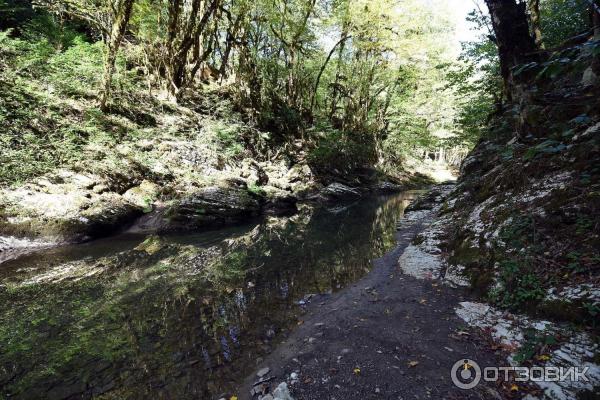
(398, 332)
(68, 206)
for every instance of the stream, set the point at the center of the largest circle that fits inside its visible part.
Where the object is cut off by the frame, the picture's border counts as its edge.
(177, 316)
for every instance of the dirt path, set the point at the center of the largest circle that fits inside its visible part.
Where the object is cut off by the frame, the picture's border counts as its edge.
(389, 336)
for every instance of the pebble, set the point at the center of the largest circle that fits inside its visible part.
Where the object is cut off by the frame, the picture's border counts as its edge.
(282, 392)
(263, 372)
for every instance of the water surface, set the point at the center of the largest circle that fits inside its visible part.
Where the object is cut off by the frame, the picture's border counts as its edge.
(176, 317)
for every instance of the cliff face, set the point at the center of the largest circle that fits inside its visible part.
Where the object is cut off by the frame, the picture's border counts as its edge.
(523, 223)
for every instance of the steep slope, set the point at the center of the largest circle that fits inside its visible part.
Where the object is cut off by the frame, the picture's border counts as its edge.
(522, 227)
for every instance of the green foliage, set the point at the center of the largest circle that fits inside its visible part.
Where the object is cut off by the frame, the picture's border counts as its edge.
(593, 311)
(256, 190)
(571, 60)
(562, 19)
(340, 151)
(477, 81)
(546, 147)
(535, 341)
(379, 84)
(519, 233)
(228, 137)
(518, 285)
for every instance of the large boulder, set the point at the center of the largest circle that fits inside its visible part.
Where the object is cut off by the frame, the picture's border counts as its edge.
(206, 207)
(63, 207)
(338, 192)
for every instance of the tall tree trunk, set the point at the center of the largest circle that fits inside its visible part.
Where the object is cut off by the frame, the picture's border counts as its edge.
(316, 88)
(515, 44)
(334, 94)
(534, 13)
(119, 26)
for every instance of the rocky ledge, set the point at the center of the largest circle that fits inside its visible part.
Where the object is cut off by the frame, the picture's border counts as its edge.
(71, 207)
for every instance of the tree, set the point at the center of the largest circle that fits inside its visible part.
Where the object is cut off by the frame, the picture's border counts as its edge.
(122, 14)
(109, 17)
(515, 44)
(189, 41)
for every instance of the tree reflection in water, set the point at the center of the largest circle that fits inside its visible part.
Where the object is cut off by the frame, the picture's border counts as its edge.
(176, 316)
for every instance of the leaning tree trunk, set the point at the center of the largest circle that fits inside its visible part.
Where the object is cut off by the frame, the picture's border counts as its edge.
(114, 42)
(515, 44)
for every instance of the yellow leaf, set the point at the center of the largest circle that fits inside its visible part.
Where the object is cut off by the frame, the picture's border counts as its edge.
(544, 357)
(413, 363)
(514, 388)
(233, 398)
(356, 371)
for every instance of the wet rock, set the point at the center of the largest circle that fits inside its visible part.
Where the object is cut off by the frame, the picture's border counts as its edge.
(387, 187)
(434, 197)
(338, 191)
(206, 207)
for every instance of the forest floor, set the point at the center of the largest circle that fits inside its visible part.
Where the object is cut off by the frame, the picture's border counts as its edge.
(387, 336)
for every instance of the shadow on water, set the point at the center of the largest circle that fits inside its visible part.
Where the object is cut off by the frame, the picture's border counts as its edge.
(176, 316)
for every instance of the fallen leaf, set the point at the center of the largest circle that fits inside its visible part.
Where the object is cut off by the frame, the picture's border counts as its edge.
(514, 388)
(413, 364)
(233, 398)
(356, 371)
